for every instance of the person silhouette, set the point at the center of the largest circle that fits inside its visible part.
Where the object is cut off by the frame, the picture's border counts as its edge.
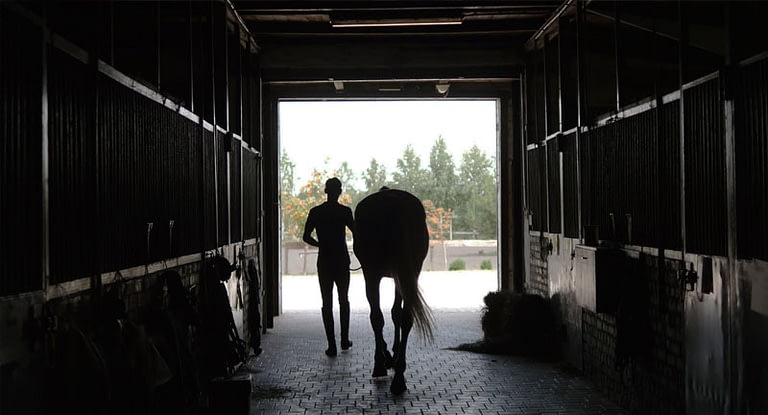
(329, 220)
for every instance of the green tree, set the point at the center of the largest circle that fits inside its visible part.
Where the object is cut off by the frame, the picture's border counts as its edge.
(348, 179)
(442, 181)
(409, 175)
(287, 198)
(438, 221)
(477, 211)
(287, 167)
(375, 176)
(296, 207)
(346, 175)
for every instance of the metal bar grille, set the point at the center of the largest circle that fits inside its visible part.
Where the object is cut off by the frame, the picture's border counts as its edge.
(537, 203)
(118, 161)
(235, 192)
(705, 198)
(149, 168)
(636, 173)
(191, 172)
(223, 186)
(570, 186)
(250, 195)
(72, 168)
(752, 160)
(209, 192)
(234, 82)
(535, 102)
(251, 110)
(669, 174)
(178, 225)
(630, 178)
(123, 227)
(20, 155)
(553, 184)
(552, 85)
(167, 212)
(594, 176)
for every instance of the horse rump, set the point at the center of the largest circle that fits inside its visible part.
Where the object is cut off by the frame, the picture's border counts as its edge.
(391, 239)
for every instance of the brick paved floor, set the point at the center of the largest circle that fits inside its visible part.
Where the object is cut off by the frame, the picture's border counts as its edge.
(293, 375)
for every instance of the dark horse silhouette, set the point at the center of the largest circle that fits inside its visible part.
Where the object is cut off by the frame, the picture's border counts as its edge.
(391, 239)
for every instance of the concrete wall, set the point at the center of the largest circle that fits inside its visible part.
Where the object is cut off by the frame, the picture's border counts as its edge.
(754, 288)
(301, 259)
(31, 333)
(636, 355)
(667, 349)
(22, 361)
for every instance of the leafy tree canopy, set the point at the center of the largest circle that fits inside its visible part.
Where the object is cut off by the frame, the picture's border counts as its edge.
(375, 176)
(442, 184)
(458, 203)
(409, 175)
(295, 208)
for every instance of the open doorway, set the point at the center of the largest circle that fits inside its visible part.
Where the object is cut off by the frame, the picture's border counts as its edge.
(443, 151)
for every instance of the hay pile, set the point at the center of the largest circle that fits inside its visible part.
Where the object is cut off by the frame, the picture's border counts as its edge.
(517, 324)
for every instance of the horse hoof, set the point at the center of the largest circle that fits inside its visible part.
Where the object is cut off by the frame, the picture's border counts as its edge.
(398, 385)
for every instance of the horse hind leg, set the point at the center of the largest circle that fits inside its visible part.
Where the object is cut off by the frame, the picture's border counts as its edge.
(407, 284)
(377, 323)
(397, 315)
(398, 386)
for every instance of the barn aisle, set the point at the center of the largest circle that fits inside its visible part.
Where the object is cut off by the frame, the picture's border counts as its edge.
(293, 375)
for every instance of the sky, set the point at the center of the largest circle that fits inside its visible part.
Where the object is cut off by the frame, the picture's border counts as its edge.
(356, 131)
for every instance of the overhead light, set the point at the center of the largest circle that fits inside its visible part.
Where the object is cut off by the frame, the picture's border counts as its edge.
(283, 18)
(338, 85)
(442, 88)
(437, 21)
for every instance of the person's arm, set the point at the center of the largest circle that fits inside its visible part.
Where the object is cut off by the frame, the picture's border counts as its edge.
(350, 222)
(309, 226)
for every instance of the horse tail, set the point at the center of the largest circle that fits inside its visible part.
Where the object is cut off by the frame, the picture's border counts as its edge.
(414, 303)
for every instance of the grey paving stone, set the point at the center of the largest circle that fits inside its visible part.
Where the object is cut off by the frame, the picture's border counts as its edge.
(301, 379)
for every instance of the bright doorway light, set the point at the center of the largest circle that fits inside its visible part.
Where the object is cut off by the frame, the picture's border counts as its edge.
(444, 151)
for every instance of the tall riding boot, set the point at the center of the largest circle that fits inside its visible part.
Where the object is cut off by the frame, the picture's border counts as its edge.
(344, 317)
(329, 330)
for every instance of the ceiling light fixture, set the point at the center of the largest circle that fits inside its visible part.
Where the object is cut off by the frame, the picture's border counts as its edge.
(396, 22)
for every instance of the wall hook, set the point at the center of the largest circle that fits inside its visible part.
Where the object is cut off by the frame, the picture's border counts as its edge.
(689, 278)
(149, 232)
